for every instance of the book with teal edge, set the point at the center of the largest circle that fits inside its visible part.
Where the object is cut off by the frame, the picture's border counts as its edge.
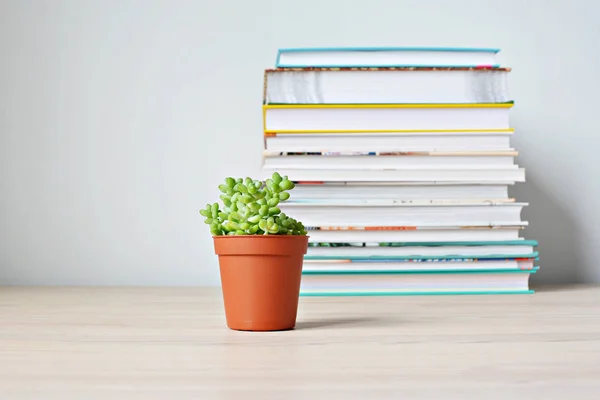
(417, 257)
(278, 63)
(415, 293)
(533, 243)
(421, 272)
(351, 293)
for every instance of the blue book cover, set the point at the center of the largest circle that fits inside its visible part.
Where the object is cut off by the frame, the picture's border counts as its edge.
(464, 61)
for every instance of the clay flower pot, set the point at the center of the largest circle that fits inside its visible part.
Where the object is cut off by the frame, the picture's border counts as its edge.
(260, 280)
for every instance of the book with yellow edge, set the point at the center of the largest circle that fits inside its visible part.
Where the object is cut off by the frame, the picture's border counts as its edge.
(385, 117)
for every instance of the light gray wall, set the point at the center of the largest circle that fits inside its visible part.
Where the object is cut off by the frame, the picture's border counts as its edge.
(119, 118)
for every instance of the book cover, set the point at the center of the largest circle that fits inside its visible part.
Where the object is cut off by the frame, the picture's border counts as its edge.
(403, 49)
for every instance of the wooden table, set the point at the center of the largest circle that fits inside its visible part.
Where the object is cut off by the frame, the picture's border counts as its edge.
(172, 343)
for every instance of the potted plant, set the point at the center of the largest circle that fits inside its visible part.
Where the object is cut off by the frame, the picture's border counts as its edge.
(260, 252)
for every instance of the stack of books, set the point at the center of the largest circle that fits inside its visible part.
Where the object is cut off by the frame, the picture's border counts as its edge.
(402, 163)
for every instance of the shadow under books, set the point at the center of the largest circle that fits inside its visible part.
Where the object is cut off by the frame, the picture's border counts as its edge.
(342, 322)
(562, 287)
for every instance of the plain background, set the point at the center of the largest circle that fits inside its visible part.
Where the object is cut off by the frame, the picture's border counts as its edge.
(118, 119)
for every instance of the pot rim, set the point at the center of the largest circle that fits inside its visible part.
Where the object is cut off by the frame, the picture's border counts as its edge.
(258, 236)
(260, 244)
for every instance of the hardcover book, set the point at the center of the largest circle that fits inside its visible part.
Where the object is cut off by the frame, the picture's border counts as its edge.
(385, 85)
(387, 57)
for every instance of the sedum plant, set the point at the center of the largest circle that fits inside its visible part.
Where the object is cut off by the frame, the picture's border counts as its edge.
(250, 208)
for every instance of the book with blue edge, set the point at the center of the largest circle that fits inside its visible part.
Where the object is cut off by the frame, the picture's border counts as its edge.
(441, 57)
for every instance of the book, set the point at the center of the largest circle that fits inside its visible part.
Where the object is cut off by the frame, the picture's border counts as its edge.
(410, 283)
(411, 233)
(393, 214)
(315, 267)
(386, 57)
(385, 117)
(420, 257)
(390, 141)
(394, 202)
(480, 176)
(385, 85)
(414, 192)
(377, 160)
(521, 248)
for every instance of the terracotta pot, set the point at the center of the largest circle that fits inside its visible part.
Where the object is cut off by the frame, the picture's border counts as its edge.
(260, 280)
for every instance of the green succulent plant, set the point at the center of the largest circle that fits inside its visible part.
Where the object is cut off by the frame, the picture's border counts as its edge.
(249, 207)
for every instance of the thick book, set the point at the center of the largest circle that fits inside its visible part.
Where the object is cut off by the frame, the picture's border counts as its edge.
(411, 283)
(391, 141)
(377, 160)
(386, 57)
(385, 85)
(439, 249)
(392, 214)
(411, 233)
(385, 117)
(409, 193)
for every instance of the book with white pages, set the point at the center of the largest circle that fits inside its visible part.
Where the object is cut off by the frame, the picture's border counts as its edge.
(318, 266)
(385, 117)
(510, 174)
(386, 85)
(367, 159)
(346, 233)
(410, 283)
(390, 141)
(440, 249)
(417, 192)
(392, 213)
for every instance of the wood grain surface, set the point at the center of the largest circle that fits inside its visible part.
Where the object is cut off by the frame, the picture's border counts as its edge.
(172, 343)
